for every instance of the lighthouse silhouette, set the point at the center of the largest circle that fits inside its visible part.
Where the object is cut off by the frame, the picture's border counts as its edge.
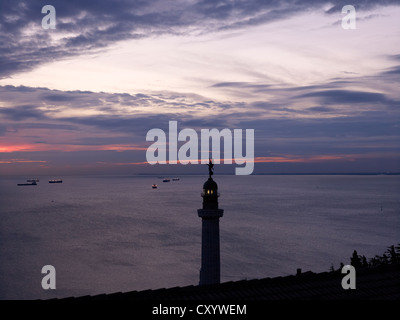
(210, 214)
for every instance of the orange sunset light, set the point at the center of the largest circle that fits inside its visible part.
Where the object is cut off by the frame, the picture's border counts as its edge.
(277, 159)
(66, 147)
(291, 158)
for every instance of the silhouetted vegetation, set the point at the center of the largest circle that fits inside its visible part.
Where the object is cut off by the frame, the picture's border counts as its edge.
(390, 257)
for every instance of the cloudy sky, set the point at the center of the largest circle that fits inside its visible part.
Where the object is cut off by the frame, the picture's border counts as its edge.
(80, 98)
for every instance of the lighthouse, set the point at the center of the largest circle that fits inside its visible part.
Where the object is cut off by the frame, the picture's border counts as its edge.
(210, 214)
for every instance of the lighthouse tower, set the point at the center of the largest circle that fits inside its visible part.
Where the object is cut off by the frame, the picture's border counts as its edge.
(210, 214)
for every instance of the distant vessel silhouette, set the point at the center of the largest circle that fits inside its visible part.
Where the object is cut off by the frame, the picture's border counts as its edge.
(175, 179)
(33, 183)
(56, 181)
(154, 186)
(166, 180)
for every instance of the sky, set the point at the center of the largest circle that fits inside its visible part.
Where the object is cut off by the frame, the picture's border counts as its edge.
(81, 98)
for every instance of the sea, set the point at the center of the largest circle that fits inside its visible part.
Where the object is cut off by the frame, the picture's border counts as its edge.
(107, 234)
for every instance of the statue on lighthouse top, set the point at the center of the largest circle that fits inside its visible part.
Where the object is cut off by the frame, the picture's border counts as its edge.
(210, 168)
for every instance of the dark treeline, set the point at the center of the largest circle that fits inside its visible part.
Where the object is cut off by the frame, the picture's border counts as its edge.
(390, 257)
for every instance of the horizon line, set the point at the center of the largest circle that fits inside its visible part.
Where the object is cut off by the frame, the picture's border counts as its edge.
(199, 174)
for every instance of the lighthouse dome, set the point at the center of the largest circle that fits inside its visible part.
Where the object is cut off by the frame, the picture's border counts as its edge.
(210, 184)
(210, 190)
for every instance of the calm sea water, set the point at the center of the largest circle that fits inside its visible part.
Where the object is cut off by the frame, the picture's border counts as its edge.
(107, 234)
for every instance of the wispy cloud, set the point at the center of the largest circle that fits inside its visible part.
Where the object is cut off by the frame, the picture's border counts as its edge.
(11, 161)
(93, 26)
(117, 122)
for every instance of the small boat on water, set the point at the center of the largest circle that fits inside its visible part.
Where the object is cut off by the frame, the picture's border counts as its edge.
(154, 186)
(166, 180)
(56, 181)
(175, 179)
(33, 183)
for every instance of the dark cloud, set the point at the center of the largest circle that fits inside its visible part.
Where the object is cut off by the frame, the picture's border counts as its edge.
(59, 97)
(98, 141)
(138, 124)
(263, 105)
(394, 71)
(46, 125)
(321, 109)
(22, 89)
(358, 5)
(395, 57)
(94, 25)
(20, 113)
(346, 96)
(354, 127)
